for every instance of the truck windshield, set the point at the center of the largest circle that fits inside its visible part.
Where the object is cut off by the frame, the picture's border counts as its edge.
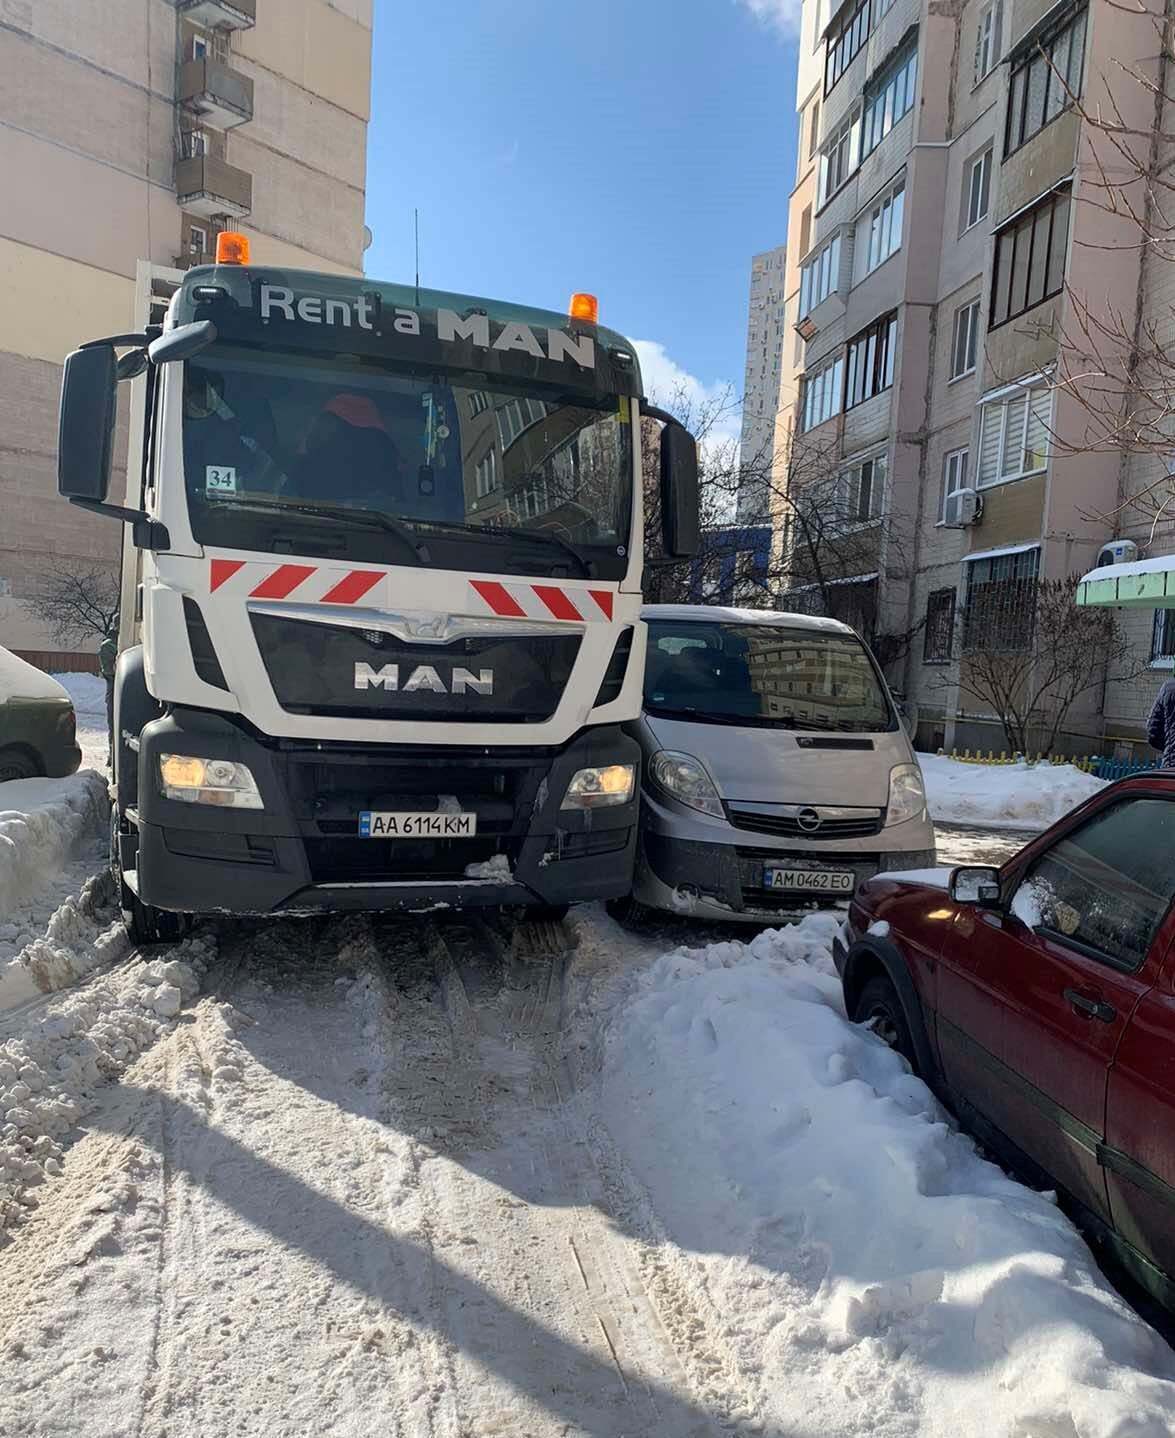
(300, 454)
(764, 674)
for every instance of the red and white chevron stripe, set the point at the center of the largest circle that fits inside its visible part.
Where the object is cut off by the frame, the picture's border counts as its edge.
(319, 584)
(543, 601)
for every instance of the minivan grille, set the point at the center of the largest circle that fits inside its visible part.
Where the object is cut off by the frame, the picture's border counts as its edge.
(787, 827)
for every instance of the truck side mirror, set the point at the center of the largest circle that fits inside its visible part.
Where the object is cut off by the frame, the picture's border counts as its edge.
(85, 432)
(679, 491)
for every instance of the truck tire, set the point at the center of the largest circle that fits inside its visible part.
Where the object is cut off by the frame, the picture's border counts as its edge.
(628, 911)
(18, 764)
(880, 1006)
(144, 923)
(546, 913)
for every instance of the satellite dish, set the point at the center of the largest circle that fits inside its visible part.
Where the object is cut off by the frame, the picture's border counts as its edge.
(368, 238)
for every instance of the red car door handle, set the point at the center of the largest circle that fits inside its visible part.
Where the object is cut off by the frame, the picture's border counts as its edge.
(1091, 1008)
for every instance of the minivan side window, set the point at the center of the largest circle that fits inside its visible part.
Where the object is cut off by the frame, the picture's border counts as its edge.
(1105, 887)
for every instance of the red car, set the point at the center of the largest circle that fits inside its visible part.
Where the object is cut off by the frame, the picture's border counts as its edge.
(1038, 1001)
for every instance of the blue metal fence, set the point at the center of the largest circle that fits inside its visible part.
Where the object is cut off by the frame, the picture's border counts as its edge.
(1106, 768)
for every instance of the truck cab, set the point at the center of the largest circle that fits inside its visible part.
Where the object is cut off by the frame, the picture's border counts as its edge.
(386, 550)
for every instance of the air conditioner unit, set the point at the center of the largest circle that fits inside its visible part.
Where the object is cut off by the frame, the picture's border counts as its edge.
(1117, 551)
(963, 509)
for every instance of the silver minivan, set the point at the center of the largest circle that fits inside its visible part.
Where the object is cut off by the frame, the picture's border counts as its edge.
(777, 774)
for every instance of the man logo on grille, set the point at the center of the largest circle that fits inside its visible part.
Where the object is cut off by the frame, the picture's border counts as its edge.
(424, 676)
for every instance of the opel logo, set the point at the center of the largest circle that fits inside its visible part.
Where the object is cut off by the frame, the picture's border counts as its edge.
(809, 820)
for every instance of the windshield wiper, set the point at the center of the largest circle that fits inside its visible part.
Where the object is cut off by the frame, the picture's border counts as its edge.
(586, 567)
(341, 514)
(706, 716)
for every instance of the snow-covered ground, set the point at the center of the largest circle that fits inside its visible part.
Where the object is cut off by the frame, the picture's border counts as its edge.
(1003, 796)
(428, 1177)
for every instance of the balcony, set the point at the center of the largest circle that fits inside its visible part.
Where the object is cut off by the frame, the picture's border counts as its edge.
(220, 96)
(219, 14)
(207, 186)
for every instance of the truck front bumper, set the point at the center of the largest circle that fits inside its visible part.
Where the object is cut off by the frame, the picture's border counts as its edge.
(302, 853)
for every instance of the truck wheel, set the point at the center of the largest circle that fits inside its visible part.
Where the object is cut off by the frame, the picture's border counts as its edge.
(546, 913)
(144, 923)
(628, 911)
(16, 764)
(879, 1006)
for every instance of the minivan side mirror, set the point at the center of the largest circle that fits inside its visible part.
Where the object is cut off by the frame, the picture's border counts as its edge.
(679, 492)
(975, 885)
(85, 429)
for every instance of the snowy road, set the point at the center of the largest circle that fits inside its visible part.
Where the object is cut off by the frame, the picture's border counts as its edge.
(354, 1194)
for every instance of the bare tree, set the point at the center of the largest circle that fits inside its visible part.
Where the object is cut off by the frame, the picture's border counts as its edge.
(78, 604)
(1029, 654)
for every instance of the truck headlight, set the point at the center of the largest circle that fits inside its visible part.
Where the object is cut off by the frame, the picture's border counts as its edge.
(684, 777)
(208, 781)
(600, 788)
(907, 794)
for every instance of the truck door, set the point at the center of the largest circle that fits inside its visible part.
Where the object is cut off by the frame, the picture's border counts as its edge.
(1139, 1152)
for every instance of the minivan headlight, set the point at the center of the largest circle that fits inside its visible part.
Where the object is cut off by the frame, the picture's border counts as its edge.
(907, 794)
(684, 777)
(208, 781)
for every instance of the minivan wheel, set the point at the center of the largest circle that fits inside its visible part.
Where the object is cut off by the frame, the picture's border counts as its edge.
(628, 910)
(16, 764)
(879, 1006)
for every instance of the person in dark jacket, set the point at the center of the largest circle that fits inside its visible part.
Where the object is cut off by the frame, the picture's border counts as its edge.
(1160, 727)
(107, 659)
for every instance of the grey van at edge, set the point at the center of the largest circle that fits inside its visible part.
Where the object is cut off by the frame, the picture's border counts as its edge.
(776, 774)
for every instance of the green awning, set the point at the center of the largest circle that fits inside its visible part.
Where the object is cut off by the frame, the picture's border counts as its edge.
(1144, 584)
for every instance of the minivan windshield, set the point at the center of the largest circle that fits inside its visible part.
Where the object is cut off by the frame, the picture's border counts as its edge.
(764, 674)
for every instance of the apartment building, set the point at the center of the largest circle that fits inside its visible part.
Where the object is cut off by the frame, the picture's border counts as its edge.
(131, 132)
(765, 334)
(955, 237)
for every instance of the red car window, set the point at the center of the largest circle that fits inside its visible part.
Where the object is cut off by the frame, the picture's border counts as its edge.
(1105, 887)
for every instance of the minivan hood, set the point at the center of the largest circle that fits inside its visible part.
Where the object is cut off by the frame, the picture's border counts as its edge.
(782, 766)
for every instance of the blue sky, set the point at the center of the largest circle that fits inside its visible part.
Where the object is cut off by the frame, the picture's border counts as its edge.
(640, 149)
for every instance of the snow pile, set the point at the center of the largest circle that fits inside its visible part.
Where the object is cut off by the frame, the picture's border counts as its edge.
(877, 1276)
(1003, 796)
(42, 823)
(77, 939)
(50, 1071)
(496, 868)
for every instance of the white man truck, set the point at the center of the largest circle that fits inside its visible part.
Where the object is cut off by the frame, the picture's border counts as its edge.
(387, 549)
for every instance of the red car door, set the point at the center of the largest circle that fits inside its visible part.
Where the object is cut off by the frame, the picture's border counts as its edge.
(1033, 1000)
(1139, 1153)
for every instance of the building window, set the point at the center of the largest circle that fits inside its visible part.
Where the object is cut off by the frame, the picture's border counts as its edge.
(1000, 613)
(195, 144)
(978, 189)
(840, 157)
(845, 42)
(965, 342)
(814, 130)
(889, 97)
(822, 394)
(883, 228)
(1030, 256)
(1013, 438)
(938, 639)
(1163, 640)
(197, 240)
(862, 490)
(954, 478)
(1043, 80)
(989, 38)
(870, 362)
(477, 403)
(820, 276)
(486, 474)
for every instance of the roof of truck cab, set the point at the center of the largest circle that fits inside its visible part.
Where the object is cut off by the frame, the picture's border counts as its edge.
(725, 614)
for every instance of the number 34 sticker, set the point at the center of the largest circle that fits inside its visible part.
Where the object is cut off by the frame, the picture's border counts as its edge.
(220, 479)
